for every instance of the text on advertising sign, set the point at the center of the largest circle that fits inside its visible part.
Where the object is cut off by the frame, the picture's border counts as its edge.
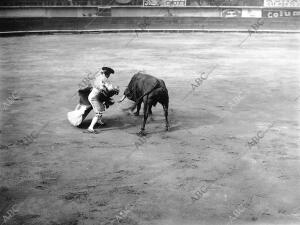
(164, 2)
(282, 3)
(231, 13)
(274, 13)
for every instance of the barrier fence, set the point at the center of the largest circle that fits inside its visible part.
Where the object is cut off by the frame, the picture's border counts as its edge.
(154, 24)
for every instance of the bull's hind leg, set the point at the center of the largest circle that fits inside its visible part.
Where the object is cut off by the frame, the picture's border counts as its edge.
(166, 106)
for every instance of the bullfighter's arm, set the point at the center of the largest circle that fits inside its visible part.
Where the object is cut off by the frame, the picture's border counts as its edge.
(108, 85)
(100, 82)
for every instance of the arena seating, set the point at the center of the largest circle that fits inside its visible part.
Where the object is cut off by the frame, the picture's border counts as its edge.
(124, 2)
(119, 15)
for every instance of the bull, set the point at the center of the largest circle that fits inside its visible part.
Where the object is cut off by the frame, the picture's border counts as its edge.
(147, 89)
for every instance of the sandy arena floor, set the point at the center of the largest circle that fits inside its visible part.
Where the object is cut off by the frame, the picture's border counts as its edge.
(201, 172)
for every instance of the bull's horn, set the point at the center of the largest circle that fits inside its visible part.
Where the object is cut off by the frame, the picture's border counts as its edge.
(122, 99)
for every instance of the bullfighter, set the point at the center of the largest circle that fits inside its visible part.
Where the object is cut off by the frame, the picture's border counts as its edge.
(100, 82)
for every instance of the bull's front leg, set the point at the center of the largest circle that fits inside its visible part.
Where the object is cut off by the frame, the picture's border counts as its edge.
(138, 108)
(165, 106)
(146, 113)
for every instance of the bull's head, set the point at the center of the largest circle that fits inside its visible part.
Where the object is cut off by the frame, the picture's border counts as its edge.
(127, 94)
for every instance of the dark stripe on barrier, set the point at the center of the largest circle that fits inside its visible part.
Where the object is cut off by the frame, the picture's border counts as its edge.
(44, 25)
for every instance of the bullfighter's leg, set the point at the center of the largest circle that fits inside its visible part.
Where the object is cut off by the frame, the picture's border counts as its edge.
(98, 108)
(138, 108)
(94, 121)
(100, 115)
(166, 106)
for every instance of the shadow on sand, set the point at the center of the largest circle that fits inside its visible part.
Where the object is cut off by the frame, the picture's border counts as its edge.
(179, 120)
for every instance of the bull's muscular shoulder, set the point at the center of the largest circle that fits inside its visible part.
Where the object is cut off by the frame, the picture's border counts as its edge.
(143, 78)
(141, 75)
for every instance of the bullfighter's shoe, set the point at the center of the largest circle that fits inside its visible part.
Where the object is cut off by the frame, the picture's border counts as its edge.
(91, 131)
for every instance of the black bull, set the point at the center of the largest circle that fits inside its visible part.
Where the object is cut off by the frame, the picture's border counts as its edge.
(147, 89)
